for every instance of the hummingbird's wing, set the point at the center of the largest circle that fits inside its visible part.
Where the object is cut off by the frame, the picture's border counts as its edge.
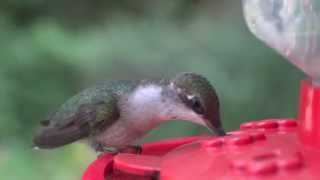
(86, 120)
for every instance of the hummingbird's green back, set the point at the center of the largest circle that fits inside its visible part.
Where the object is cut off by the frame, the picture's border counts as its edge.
(107, 92)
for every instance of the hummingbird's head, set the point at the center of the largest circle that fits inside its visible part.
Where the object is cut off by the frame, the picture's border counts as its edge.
(196, 94)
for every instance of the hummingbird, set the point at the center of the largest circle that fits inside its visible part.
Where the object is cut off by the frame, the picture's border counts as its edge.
(114, 114)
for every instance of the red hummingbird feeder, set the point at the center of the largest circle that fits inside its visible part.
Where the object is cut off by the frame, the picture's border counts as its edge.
(272, 149)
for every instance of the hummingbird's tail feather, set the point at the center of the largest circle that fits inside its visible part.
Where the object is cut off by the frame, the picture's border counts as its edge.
(52, 137)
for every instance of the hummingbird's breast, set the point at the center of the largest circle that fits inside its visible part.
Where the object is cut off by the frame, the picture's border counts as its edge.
(140, 112)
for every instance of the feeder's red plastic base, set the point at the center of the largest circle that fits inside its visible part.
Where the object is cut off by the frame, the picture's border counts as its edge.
(273, 149)
(131, 166)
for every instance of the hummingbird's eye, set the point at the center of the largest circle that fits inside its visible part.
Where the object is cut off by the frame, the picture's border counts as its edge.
(196, 105)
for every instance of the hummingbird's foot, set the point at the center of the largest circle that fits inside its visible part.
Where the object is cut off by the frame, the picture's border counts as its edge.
(111, 151)
(131, 149)
(102, 149)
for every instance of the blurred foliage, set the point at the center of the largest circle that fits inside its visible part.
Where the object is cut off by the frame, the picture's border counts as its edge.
(52, 49)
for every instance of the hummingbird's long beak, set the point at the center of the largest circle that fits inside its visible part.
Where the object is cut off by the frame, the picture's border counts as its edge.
(219, 131)
(215, 124)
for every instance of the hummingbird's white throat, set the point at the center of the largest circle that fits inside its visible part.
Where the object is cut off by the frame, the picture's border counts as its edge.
(148, 105)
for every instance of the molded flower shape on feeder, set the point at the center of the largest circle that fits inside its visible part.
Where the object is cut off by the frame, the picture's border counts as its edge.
(292, 27)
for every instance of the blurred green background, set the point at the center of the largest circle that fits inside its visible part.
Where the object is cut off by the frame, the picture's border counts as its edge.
(49, 50)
